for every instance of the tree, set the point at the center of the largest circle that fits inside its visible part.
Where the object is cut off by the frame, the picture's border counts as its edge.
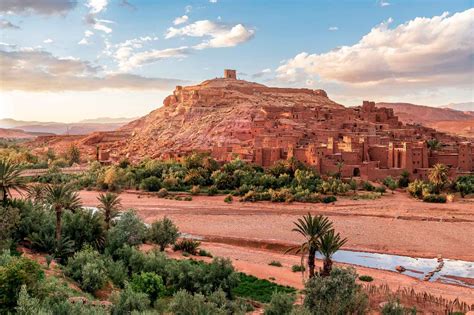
(61, 197)
(74, 154)
(330, 243)
(36, 192)
(312, 229)
(340, 166)
(164, 233)
(10, 179)
(438, 176)
(109, 204)
(433, 144)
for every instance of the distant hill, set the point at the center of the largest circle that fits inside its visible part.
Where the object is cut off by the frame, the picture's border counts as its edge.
(59, 128)
(441, 118)
(469, 106)
(20, 134)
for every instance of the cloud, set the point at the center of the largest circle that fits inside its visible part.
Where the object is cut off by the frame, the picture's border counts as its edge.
(422, 52)
(333, 28)
(127, 4)
(220, 34)
(262, 73)
(85, 39)
(128, 60)
(48, 41)
(213, 1)
(180, 20)
(96, 6)
(188, 9)
(43, 7)
(36, 70)
(4, 24)
(383, 3)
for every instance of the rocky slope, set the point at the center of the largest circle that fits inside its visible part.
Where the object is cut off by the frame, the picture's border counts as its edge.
(216, 112)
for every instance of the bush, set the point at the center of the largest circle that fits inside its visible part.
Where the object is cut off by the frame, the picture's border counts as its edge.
(184, 303)
(337, 294)
(275, 263)
(329, 199)
(84, 227)
(163, 233)
(129, 230)
(280, 304)
(128, 300)
(204, 253)
(393, 307)
(415, 188)
(298, 268)
(16, 272)
(212, 190)
(149, 283)
(187, 245)
(465, 185)
(117, 272)
(434, 198)
(151, 183)
(368, 186)
(162, 193)
(404, 179)
(228, 199)
(195, 190)
(88, 268)
(366, 278)
(380, 189)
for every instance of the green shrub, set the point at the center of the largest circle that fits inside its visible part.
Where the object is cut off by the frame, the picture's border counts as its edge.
(187, 245)
(337, 294)
(465, 185)
(404, 179)
(204, 253)
(184, 303)
(280, 304)
(16, 272)
(212, 190)
(163, 232)
(329, 199)
(149, 283)
(283, 195)
(393, 307)
(415, 188)
(434, 198)
(260, 290)
(129, 230)
(188, 198)
(128, 300)
(366, 196)
(88, 268)
(368, 186)
(380, 189)
(228, 199)
(298, 268)
(151, 183)
(366, 278)
(117, 272)
(275, 263)
(84, 227)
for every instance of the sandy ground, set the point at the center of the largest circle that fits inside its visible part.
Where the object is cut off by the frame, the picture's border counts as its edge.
(393, 224)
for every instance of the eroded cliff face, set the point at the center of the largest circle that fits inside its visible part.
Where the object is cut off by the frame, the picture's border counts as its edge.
(215, 113)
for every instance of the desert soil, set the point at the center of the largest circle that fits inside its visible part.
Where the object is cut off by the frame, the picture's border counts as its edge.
(252, 234)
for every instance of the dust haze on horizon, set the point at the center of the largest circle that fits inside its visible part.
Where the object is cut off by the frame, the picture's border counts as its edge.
(67, 61)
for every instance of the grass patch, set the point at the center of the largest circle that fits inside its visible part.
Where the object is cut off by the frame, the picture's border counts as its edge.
(275, 263)
(297, 268)
(260, 290)
(366, 278)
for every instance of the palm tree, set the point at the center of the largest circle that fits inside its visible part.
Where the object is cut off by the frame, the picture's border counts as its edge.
(109, 205)
(36, 192)
(312, 229)
(340, 166)
(61, 197)
(10, 179)
(330, 243)
(438, 176)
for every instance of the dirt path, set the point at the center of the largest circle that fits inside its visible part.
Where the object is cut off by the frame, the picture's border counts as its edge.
(394, 224)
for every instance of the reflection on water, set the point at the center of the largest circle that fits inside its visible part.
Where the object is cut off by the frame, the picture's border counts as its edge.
(415, 267)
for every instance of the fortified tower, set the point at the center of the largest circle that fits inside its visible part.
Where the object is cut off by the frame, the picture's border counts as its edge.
(230, 74)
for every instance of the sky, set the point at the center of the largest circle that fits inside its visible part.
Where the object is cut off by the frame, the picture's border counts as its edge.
(68, 60)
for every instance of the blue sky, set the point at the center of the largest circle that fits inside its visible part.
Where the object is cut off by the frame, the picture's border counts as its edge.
(67, 60)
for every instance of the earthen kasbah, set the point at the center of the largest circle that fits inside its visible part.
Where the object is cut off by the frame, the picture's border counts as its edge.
(228, 117)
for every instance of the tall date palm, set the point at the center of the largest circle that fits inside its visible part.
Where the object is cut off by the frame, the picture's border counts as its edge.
(61, 197)
(312, 228)
(10, 179)
(109, 204)
(329, 244)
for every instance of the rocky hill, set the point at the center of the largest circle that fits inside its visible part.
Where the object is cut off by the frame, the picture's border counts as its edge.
(441, 118)
(218, 112)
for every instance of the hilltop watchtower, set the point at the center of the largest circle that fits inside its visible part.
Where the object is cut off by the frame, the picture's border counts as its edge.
(230, 74)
